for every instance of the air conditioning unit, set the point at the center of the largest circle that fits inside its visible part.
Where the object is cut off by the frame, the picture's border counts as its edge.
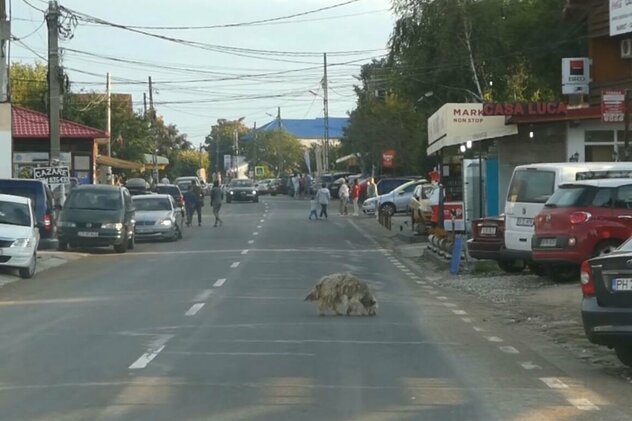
(626, 48)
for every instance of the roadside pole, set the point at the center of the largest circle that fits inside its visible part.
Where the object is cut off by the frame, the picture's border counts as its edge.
(626, 124)
(52, 21)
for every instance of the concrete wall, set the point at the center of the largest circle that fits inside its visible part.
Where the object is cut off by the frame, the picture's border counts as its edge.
(548, 145)
(6, 141)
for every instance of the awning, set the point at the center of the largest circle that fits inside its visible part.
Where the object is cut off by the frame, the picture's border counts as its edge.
(119, 163)
(347, 158)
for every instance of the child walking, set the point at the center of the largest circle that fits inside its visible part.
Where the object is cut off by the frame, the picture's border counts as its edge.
(313, 206)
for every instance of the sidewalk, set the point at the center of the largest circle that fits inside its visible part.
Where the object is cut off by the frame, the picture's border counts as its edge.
(549, 308)
(45, 260)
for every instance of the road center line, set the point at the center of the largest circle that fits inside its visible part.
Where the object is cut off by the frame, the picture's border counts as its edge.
(146, 358)
(219, 282)
(259, 226)
(442, 298)
(459, 312)
(509, 350)
(553, 382)
(466, 319)
(194, 309)
(261, 220)
(251, 241)
(255, 233)
(203, 296)
(244, 251)
(449, 304)
(493, 339)
(528, 365)
(234, 265)
(478, 329)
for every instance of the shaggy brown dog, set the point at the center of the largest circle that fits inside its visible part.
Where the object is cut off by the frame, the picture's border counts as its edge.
(345, 290)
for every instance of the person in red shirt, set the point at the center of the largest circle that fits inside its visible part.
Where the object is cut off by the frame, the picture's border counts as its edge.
(355, 195)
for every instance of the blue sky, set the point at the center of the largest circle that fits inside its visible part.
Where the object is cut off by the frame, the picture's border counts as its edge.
(187, 91)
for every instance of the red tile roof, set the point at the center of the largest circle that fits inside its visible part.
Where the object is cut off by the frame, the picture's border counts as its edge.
(34, 125)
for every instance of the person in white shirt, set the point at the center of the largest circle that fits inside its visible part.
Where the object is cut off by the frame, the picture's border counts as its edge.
(322, 197)
(343, 194)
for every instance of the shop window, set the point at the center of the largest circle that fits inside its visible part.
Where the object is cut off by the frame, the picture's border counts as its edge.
(599, 153)
(599, 136)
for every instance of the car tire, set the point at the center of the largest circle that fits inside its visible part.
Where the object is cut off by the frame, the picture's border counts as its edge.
(131, 244)
(511, 266)
(559, 273)
(536, 269)
(122, 248)
(388, 209)
(605, 247)
(62, 245)
(255, 200)
(28, 272)
(624, 353)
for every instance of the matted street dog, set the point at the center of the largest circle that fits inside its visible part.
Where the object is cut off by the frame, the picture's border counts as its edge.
(343, 291)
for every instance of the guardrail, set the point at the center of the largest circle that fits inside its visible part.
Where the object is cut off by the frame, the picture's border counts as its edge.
(384, 218)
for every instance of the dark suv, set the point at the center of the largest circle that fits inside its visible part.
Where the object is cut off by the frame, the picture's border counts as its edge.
(172, 190)
(97, 216)
(43, 204)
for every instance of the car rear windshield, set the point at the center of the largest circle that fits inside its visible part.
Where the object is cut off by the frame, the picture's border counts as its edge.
(152, 204)
(581, 196)
(531, 186)
(173, 191)
(14, 214)
(94, 200)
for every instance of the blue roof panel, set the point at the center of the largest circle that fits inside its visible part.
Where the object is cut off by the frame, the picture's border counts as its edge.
(307, 128)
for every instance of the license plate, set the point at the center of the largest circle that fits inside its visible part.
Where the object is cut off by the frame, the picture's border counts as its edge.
(548, 242)
(89, 234)
(622, 284)
(488, 230)
(525, 222)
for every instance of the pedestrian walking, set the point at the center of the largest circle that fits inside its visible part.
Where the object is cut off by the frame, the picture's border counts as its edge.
(355, 195)
(190, 203)
(309, 185)
(197, 189)
(295, 184)
(322, 197)
(371, 188)
(343, 194)
(216, 202)
(313, 206)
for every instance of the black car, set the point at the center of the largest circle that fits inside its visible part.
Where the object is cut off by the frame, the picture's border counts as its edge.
(172, 190)
(97, 216)
(241, 189)
(607, 301)
(43, 203)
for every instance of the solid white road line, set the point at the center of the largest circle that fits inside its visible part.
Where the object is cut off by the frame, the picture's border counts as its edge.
(244, 354)
(194, 309)
(528, 365)
(234, 265)
(244, 251)
(583, 404)
(553, 382)
(509, 350)
(203, 296)
(146, 358)
(219, 282)
(251, 241)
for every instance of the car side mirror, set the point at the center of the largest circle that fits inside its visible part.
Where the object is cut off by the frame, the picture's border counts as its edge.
(401, 193)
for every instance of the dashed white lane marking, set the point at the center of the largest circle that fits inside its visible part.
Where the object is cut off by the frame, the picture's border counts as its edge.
(494, 339)
(219, 282)
(432, 291)
(259, 226)
(553, 382)
(146, 358)
(466, 319)
(234, 265)
(415, 277)
(261, 220)
(420, 282)
(203, 296)
(251, 241)
(528, 365)
(459, 312)
(478, 329)
(449, 304)
(244, 251)
(194, 309)
(441, 297)
(509, 350)
(255, 233)
(583, 404)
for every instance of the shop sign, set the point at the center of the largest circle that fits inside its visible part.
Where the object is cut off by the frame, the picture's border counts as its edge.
(575, 75)
(521, 109)
(620, 17)
(454, 211)
(53, 176)
(612, 105)
(388, 158)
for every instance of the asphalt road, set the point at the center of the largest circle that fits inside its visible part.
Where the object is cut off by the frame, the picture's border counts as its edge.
(214, 327)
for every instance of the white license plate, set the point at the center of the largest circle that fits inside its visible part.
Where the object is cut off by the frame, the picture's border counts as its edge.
(548, 242)
(525, 222)
(89, 234)
(622, 284)
(488, 230)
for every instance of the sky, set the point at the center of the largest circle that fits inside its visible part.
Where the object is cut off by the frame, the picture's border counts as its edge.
(196, 85)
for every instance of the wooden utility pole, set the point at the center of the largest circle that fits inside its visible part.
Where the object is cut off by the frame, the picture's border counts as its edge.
(108, 93)
(326, 110)
(626, 124)
(52, 21)
(152, 120)
(144, 104)
(5, 34)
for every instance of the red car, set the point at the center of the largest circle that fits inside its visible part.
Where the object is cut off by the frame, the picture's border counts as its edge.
(488, 238)
(581, 220)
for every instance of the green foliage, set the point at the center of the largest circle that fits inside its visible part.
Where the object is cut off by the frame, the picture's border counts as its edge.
(222, 139)
(29, 85)
(278, 150)
(187, 162)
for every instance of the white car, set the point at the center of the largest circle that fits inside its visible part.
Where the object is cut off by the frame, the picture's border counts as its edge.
(394, 201)
(19, 235)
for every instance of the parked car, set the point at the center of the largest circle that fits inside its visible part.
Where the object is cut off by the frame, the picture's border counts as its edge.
(334, 187)
(43, 204)
(184, 182)
(606, 283)
(488, 238)
(97, 216)
(241, 189)
(172, 190)
(263, 187)
(158, 217)
(395, 201)
(387, 185)
(582, 220)
(137, 186)
(19, 235)
(275, 186)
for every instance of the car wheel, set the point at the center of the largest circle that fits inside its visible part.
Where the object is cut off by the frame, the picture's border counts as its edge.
(28, 272)
(388, 209)
(122, 248)
(624, 353)
(511, 266)
(559, 273)
(132, 242)
(62, 245)
(255, 200)
(536, 269)
(606, 247)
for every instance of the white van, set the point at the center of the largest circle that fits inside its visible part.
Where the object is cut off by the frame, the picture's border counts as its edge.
(532, 185)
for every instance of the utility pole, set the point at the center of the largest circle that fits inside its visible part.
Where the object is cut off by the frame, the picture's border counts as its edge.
(5, 34)
(145, 104)
(326, 111)
(152, 120)
(52, 21)
(108, 90)
(254, 144)
(278, 118)
(626, 128)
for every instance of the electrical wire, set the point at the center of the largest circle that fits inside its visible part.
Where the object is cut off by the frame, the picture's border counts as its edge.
(16, 38)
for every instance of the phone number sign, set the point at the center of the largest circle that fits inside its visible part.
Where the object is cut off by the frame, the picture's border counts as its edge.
(52, 175)
(612, 105)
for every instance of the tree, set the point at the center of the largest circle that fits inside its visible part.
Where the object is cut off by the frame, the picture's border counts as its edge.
(29, 85)
(224, 140)
(188, 162)
(278, 150)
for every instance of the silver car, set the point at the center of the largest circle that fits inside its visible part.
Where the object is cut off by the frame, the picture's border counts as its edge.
(394, 201)
(158, 217)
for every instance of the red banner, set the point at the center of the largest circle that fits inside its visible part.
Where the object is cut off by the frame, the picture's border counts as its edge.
(388, 158)
(612, 105)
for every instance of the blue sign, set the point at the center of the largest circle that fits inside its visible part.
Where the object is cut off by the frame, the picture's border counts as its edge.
(456, 255)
